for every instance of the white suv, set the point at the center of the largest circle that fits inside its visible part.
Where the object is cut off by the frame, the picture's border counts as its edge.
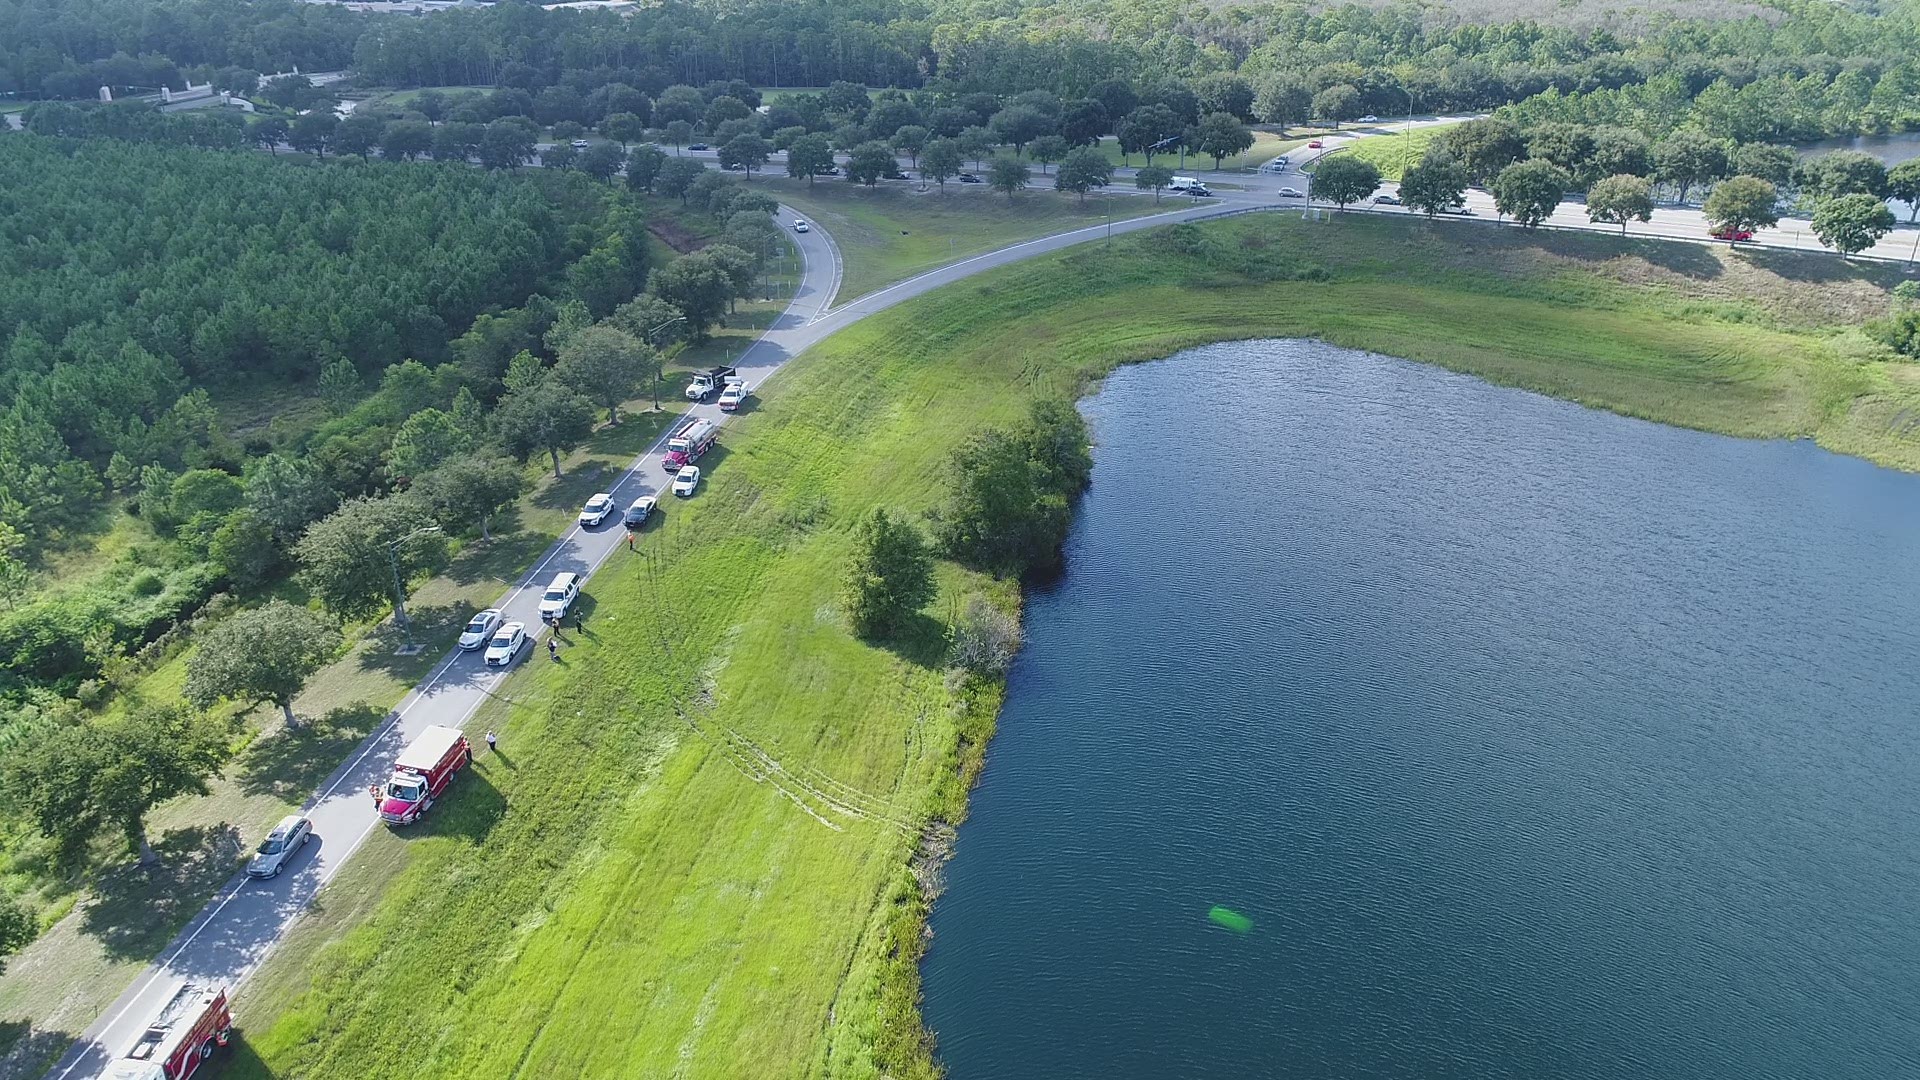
(560, 595)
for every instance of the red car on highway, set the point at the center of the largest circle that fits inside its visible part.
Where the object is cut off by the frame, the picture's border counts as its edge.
(1314, 145)
(1731, 234)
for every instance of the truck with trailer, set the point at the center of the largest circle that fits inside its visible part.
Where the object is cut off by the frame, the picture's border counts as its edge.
(180, 1038)
(706, 382)
(1188, 185)
(421, 773)
(694, 438)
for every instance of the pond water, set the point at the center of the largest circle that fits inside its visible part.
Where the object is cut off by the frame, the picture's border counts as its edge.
(1890, 149)
(1511, 739)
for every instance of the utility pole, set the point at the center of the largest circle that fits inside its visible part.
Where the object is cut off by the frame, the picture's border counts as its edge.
(399, 586)
(657, 373)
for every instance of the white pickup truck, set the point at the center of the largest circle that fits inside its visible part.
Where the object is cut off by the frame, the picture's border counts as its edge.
(706, 382)
(735, 393)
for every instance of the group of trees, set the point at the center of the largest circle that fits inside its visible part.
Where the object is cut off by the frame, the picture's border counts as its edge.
(1009, 493)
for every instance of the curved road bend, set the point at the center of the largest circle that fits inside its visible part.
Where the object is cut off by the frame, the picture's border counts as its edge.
(229, 938)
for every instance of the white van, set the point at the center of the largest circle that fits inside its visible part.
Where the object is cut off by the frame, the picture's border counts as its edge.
(1187, 185)
(560, 595)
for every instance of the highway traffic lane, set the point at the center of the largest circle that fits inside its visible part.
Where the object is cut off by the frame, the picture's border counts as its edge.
(237, 931)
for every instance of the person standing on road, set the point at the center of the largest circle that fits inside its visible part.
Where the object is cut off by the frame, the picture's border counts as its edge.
(493, 742)
(374, 790)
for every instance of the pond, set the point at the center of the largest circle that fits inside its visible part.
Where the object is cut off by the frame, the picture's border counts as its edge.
(1387, 723)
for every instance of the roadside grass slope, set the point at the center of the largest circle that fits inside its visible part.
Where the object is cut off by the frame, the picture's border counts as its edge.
(694, 857)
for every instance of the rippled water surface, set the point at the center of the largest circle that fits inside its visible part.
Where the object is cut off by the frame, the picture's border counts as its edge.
(1535, 742)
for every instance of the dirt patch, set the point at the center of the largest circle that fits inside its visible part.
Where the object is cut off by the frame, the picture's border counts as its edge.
(674, 236)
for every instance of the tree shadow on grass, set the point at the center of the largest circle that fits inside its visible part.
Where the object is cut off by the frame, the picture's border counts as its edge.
(1816, 268)
(28, 1051)
(922, 642)
(292, 761)
(134, 911)
(501, 559)
(435, 629)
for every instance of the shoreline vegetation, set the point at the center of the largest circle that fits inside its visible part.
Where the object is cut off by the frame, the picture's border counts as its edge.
(733, 878)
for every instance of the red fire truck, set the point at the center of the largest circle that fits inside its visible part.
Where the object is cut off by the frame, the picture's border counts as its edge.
(693, 439)
(422, 772)
(192, 1024)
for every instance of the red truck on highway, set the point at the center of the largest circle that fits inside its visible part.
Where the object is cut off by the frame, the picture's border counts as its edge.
(184, 1034)
(694, 438)
(422, 772)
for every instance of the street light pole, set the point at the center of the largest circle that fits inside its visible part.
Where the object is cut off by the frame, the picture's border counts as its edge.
(399, 587)
(657, 373)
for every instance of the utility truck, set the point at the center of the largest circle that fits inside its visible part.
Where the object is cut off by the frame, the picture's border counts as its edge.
(422, 772)
(706, 382)
(180, 1038)
(1188, 185)
(735, 393)
(694, 438)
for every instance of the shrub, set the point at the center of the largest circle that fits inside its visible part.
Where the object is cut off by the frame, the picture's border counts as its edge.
(985, 639)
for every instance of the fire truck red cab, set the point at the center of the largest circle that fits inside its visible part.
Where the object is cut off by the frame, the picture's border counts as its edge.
(422, 772)
(181, 1037)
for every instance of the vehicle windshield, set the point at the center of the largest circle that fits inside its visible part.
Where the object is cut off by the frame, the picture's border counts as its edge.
(501, 641)
(678, 446)
(272, 845)
(555, 594)
(407, 791)
(478, 625)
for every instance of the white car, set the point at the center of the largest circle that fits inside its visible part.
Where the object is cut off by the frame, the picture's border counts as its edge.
(637, 513)
(1292, 193)
(579, 144)
(596, 510)
(279, 847)
(1369, 119)
(800, 226)
(506, 644)
(686, 480)
(479, 629)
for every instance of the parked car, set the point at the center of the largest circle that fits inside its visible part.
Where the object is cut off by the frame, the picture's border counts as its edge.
(479, 629)
(506, 644)
(698, 146)
(1369, 119)
(1731, 234)
(1292, 193)
(1457, 208)
(1315, 145)
(686, 480)
(561, 592)
(895, 174)
(969, 178)
(579, 144)
(800, 226)
(596, 510)
(278, 848)
(637, 512)
(1385, 199)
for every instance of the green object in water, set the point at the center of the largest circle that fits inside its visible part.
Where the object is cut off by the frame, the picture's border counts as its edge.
(1231, 919)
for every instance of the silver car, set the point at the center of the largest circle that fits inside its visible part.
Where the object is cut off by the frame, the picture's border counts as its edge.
(277, 849)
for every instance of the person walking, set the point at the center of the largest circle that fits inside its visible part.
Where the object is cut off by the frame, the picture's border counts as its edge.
(493, 742)
(630, 546)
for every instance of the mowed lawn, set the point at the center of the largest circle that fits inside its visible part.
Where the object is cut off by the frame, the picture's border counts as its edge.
(692, 857)
(1393, 153)
(889, 233)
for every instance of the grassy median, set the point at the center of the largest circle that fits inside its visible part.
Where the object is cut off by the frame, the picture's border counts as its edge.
(696, 855)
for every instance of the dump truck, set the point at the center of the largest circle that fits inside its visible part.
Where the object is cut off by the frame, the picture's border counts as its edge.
(706, 382)
(180, 1038)
(421, 773)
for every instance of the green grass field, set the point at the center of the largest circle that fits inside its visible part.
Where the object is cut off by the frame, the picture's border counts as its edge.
(1393, 153)
(1266, 147)
(891, 233)
(694, 857)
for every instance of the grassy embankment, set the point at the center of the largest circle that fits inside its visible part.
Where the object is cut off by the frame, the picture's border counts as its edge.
(109, 918)
(1394, 153)
(892, 232)
(654, 880)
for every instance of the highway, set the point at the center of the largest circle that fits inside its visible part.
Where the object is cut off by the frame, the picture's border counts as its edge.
(230, 937)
